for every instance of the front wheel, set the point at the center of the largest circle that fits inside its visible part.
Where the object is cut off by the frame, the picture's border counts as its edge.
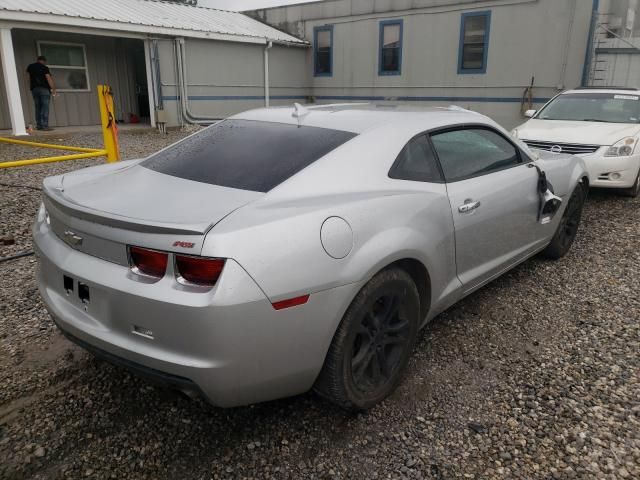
(568, 226)
(634, 190)
(371, 348)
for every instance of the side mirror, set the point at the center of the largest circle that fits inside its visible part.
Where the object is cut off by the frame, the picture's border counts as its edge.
(549, 206)
(530, 113)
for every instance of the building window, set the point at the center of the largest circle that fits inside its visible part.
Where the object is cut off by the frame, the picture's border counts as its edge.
(323, 51)
(68, 65)
(390, 62)
(474, 42)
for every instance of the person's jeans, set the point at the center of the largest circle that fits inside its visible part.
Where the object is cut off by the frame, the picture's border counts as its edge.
(41, 97)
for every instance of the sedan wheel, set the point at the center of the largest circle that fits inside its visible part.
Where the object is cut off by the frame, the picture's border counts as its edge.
(634, 190)
(373, 343)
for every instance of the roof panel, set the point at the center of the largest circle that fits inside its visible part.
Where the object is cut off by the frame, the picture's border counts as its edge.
(149, 13)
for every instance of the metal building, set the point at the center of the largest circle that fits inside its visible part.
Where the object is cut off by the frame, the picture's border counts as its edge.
(141, 48)
(178, 63)
(615, 53)
(481, 54)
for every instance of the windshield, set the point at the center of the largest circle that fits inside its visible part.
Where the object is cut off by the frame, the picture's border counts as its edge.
(593, 107)
(246, 154)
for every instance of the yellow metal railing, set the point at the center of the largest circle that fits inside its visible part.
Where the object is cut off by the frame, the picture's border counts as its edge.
(111, 148)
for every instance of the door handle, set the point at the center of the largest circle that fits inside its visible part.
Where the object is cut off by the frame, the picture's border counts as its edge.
(469, 206)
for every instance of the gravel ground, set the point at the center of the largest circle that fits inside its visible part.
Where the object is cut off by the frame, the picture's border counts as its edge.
(535, 376)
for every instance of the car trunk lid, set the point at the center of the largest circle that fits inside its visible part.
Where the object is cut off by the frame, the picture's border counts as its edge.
(136, 206)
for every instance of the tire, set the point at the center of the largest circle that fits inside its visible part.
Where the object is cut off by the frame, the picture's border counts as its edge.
(372, 345)
(634, 190)
(568, 226)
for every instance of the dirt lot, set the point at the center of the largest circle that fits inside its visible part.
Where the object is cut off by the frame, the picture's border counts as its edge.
(535, 376)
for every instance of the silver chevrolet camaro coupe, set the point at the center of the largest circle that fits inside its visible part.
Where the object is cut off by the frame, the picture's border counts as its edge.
(287, 249)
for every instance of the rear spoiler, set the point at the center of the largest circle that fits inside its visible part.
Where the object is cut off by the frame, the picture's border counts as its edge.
(53, 197)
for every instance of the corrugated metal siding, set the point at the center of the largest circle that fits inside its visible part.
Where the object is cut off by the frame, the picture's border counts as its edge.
(226, 78)
(616, 62)
(151, 14)
(109, 61)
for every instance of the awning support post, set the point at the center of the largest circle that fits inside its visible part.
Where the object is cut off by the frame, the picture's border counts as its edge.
(150, 82)
(11, 82)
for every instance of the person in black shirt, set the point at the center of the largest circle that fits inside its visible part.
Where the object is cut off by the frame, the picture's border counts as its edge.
(42, 87)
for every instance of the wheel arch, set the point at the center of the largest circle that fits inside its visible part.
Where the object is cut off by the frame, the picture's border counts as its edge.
(420, 276)
(584, 181)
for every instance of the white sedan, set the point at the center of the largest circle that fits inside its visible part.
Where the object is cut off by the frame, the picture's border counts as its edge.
(601, 125)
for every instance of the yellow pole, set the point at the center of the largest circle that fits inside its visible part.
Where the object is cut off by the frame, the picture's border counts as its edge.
(48, 145)
(109, 127)
(62, 158)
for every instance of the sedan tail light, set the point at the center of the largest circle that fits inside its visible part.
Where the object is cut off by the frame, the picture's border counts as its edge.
(198, 270)
(148, 262)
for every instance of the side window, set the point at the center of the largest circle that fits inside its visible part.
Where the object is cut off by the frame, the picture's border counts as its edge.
(416, 162)
(390, 55)
(68, 65)
(471, 152)
(474, 42)
(323, 51)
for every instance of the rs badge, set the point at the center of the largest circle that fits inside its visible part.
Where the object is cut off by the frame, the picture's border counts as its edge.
(184, 244)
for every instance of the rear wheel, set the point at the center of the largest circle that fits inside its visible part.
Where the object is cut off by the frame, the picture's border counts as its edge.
(634, 190)
(372, 345)
(568, 226)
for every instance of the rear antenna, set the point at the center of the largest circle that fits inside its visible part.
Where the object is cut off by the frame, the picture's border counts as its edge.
(299, 112)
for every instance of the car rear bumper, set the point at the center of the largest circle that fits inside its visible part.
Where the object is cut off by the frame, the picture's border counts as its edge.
(229, 343)
(612, 172)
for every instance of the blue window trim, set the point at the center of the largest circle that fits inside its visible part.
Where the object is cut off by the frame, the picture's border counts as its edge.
(463, 71)
(316, 30)
(383, 24)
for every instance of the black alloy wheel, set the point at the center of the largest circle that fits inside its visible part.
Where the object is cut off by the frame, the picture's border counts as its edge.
(568, 226)
(372, 345)
(379, 341)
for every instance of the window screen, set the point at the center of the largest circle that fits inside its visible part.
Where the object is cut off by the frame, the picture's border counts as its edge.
(472, 152)
(390, 47)
(67, 63)
(474, 41)
(324, 51)
(245, 154)
(416, 162)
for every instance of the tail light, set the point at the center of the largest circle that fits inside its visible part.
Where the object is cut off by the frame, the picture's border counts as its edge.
(198, 270)
(148, 262)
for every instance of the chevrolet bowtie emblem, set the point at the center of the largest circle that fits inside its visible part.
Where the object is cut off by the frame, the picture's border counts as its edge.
(73, 238)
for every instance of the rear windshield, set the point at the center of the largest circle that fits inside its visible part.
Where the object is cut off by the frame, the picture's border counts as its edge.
(245, 154)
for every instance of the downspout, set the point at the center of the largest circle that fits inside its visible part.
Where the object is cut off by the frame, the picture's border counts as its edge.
(592, 28)
(177, 72)
(565, 56)
(267, 96)
(183, 87)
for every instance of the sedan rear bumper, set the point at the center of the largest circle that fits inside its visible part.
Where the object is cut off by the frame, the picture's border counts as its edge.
(229, 343)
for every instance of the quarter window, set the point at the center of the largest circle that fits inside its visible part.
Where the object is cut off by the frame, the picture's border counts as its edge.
(471, 152)
(390, 47)
(416, 162)
(68, 65)
(474, 42)
(323, 53)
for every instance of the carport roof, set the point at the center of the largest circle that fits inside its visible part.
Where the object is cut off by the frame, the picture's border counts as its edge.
(145, 17)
